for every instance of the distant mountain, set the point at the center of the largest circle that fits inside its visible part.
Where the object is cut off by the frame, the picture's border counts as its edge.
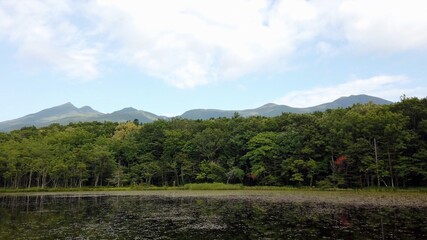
(128, 114)
(62, 114)
(344, 102)
(271, 109)
(67, 113)
(268, 110)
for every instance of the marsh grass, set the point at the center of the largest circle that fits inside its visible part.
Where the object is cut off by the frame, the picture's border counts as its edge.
(215, 186)
(348, 197)
(84, 189)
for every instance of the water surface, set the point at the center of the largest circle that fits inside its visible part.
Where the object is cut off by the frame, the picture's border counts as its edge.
(157, 216)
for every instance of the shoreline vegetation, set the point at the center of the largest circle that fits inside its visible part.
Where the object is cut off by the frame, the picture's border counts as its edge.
(207, 187)
(413, 197)
(363, 146)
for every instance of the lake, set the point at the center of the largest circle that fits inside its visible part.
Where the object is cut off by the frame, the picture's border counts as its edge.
(211, 215)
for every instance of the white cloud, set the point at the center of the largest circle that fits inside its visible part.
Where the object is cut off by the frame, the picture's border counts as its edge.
(188, 43)
(387, 87)
(191, 43)
(45, 36)
(384, 25)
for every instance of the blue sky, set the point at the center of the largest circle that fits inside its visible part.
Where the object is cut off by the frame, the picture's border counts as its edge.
(167, 57)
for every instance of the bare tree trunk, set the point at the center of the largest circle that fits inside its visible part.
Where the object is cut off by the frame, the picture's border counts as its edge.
(182, 178)
(16, 180)
(376, 161)
(96, 180)
(44, 180)
(29, 180)
(80, 180)
(391, 169)
(44, 177)
(176, 176)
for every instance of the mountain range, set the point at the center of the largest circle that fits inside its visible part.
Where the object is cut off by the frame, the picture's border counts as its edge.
(67, 113)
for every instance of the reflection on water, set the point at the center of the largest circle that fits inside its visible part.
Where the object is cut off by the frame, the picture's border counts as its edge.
(151, 217)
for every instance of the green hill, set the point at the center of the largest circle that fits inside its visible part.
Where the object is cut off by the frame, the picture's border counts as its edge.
(66, 113)
(271, 109)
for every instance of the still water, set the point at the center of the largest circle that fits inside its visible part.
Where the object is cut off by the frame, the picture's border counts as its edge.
(162, 217)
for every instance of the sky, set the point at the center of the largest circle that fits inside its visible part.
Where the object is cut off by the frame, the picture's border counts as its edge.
(170, 56)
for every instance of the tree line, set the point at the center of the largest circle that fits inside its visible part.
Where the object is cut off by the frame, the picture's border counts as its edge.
(361, 146)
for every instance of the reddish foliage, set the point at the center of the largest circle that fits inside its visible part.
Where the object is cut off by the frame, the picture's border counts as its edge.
(251, 176)
(340, 160)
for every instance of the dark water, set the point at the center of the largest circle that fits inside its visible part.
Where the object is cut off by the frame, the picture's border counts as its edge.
(151, 217)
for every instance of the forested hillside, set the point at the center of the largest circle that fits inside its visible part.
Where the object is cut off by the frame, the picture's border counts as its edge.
(364, 145)
(68, 113)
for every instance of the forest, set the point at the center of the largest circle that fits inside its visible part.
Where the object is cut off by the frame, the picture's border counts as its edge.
(366, 145)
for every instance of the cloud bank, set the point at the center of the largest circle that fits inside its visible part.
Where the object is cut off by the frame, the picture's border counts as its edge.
(189, 43)
(387, 87)
(45, 34)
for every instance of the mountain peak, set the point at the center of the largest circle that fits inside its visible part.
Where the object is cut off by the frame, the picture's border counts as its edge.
(127, 110)
(67, 104)
(66, 107)
(269, 105)
(362, 98)
(87, 109)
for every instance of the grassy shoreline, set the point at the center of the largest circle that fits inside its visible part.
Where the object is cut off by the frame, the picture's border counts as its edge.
(371, 197)
(320, 198)
(211, 186)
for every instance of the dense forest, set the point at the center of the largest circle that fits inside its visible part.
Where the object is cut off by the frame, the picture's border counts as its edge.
(361, 146)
